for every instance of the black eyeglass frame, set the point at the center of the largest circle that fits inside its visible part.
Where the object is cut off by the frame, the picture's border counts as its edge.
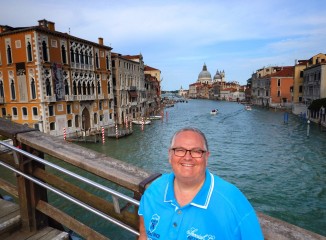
(191, 151)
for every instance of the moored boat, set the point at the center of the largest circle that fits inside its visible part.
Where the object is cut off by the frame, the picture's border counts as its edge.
(248, 108)
(141, 122)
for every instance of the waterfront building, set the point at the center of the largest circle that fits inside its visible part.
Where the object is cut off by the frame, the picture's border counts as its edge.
(183, 93)
(51, 81)
(129, 86)
(153, 96)
(314, 79)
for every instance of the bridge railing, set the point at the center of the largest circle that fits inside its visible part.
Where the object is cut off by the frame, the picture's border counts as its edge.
(35, 176)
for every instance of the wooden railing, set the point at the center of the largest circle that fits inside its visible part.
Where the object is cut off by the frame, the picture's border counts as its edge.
(37, 211)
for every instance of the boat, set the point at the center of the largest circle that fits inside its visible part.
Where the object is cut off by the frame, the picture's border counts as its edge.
(214, 111)
(157, 117)
(141, 122)
(248, 108)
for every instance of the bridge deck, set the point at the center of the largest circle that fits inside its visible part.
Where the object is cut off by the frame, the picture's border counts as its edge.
(10, 226)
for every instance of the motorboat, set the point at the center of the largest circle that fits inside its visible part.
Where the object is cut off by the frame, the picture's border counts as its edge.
(214, 111)
(248, 108)
(141, 122)
(156, 117)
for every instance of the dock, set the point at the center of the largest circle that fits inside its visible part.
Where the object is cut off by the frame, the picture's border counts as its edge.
(11, 222)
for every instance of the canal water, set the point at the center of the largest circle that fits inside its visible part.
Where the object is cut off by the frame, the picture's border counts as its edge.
(279, 163)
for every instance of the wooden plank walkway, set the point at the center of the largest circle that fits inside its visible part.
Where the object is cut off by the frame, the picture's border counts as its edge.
(10, 226)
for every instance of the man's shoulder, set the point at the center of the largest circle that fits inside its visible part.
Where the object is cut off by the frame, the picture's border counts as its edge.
(223, 187)
(159, 183)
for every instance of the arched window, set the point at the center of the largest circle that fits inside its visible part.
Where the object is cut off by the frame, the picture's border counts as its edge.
(96, 61)
(88, 89)
(109, 90)
(45, 51)
(93, 88)
(98, 87)
(66, 87)
(48, 87)
(63, 54)
(79, 88)
(72, 55)
(29, 52)
(12, 89)
(84, 89)
(107, 62)
(77, 56)
(76, 121)
(90, 59)
(75, 88)
(9, 58)
(95, 118)
(1, 89)
(81, 57)
(86, 58)
(33, 88)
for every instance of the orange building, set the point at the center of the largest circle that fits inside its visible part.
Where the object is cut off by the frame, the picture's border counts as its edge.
(281, 85)
(51, 80)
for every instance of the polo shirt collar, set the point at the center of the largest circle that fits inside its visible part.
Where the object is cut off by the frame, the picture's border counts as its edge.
(201, 200)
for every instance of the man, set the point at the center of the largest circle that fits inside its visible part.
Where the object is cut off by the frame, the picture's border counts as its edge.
(192, 203)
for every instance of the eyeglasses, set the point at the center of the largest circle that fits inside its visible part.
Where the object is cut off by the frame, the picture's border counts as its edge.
(181, 152)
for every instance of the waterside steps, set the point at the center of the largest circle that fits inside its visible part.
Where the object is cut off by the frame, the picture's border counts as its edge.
(36, 217)
(10, 226)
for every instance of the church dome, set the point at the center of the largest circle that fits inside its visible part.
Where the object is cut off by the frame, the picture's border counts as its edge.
(204, 75)
(217, 76)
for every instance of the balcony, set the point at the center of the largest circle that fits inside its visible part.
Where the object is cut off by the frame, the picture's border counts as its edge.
(50, 99)
(100, 96)
(69, 98)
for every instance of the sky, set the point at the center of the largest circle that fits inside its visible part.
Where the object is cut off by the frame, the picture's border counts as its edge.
(179, 37)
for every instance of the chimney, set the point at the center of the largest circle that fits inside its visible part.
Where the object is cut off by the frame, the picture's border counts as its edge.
(47, 24)
(100, 41)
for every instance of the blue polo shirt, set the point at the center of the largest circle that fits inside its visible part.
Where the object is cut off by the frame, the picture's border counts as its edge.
(218, 211)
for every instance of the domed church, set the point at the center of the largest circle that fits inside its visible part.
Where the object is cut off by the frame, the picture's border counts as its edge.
(205, 76)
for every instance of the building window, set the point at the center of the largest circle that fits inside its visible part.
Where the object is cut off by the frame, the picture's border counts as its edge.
(51, 112)
(81, 57)
(77, 56)
(95, 118)
(12, 89)
(300, 99)
(3, 111)
(278, 82)
(63, 54)
(74, 88)
(14, 112)
(48, 87)
(45, 51)
(113, 63)
(107, 62)
(300, 89)
(72, 55)
(1, 89)
(100, 105)
(101, 117)
(96, 61)
(109, 89)
(98, 87)
(35, 111)
(9, 57)
(86, 58)
(69, 123)
(33, 88)
(76, 121)
(24, 110)
(66, 87)
(29, 52)
(278, 93)
(68, 108)
(79, 89)
(52, 126)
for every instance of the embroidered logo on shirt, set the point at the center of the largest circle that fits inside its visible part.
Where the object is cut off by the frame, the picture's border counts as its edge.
(154, 222)
(191, 235)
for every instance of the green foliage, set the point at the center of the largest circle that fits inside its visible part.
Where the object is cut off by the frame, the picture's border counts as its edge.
(317, 104)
